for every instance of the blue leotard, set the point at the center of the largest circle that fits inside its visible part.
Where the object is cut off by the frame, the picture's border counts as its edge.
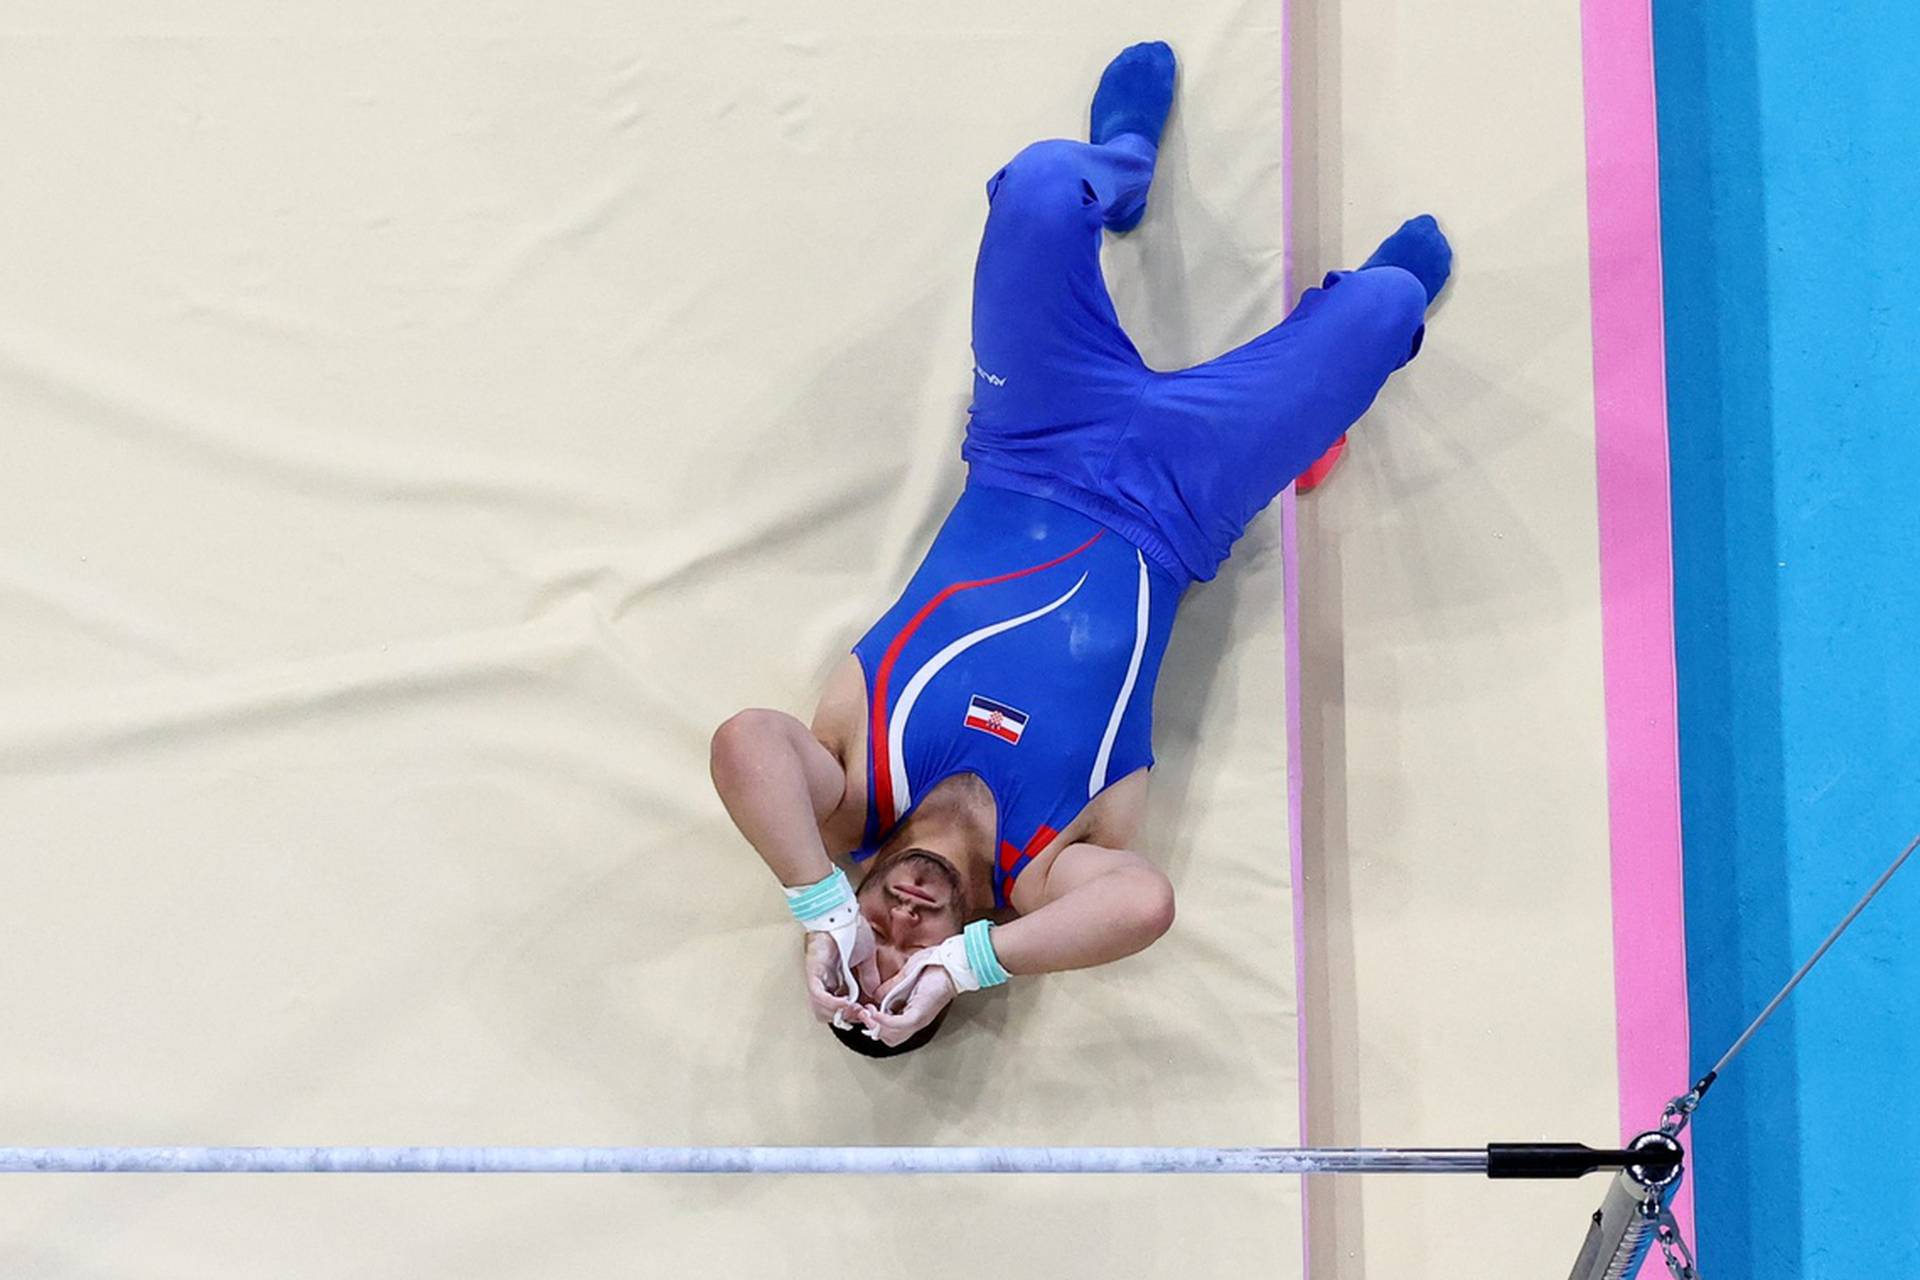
(1024, 650)
(1026, 646)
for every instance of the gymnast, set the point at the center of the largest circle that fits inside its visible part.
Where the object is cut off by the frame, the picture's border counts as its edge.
(984, 750)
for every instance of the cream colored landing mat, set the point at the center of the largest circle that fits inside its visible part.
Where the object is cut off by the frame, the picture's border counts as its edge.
(424, 422)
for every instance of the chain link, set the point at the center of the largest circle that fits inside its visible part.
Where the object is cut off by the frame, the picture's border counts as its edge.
(1673, 1247)
(1673, 1120)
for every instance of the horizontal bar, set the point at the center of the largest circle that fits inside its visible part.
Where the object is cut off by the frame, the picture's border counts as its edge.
(738, 1160)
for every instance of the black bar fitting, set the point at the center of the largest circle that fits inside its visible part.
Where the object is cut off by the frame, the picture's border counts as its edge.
(1574, 1159)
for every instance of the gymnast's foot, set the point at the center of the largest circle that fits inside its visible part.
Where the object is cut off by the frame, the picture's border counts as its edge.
(1134, 97)
(1420, 247)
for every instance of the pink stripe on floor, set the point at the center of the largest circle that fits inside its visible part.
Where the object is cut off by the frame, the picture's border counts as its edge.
(1636, 557)
(1290, 567)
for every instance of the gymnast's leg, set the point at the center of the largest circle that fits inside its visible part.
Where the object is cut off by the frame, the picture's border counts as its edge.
(1225, 437)
(1420, 248)
(1048, 348)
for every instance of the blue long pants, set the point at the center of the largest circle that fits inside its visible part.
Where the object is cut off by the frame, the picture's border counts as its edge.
(1177, 462)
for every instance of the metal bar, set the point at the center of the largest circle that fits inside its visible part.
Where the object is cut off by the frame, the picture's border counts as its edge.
(846, 1160)
(1621, 1234)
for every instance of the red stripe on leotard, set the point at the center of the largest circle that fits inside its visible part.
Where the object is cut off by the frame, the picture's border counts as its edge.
(877, 730)
(1013, 861)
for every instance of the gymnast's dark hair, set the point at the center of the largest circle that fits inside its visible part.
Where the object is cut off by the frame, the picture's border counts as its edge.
(856, 1039)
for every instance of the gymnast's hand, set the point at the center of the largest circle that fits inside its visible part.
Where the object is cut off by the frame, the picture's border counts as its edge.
(827, 993)
(911, 999)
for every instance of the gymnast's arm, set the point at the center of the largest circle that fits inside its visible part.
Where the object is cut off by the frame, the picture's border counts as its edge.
(1088, 905)
(779, 783)
(1085, 905)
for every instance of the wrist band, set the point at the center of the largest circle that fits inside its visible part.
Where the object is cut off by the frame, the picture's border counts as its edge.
(967, 957)
(829, 906)
(815, 904)
(987, 969)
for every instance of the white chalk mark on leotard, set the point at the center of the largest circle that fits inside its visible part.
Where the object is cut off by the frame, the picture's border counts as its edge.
(897, 727)
(1141, 612)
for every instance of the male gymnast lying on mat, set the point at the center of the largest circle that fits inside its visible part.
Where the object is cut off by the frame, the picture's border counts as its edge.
(984, 750)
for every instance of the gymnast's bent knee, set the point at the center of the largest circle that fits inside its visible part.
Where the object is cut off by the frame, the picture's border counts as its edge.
(1047, 178)
(1392, 307)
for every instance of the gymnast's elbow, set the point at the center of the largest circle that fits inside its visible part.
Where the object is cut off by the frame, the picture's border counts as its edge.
(740, 745)
(1150, 898)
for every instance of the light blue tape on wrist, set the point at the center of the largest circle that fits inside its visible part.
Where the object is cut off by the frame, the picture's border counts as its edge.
(815, 900)
(979, 945)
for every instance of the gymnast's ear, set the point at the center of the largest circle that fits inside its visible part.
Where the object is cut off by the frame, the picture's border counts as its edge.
(856, 1039)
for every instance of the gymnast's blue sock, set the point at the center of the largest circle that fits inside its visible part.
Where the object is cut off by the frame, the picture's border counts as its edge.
(1135, 95)
(1419, 247)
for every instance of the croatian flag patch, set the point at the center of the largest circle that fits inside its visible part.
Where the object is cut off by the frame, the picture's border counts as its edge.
(996, 718)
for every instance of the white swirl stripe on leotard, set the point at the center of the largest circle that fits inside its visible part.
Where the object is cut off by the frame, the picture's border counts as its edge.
(897, 725)
(1142, 610)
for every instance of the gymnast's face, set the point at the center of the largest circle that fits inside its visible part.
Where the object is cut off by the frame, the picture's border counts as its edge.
(913, 899)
